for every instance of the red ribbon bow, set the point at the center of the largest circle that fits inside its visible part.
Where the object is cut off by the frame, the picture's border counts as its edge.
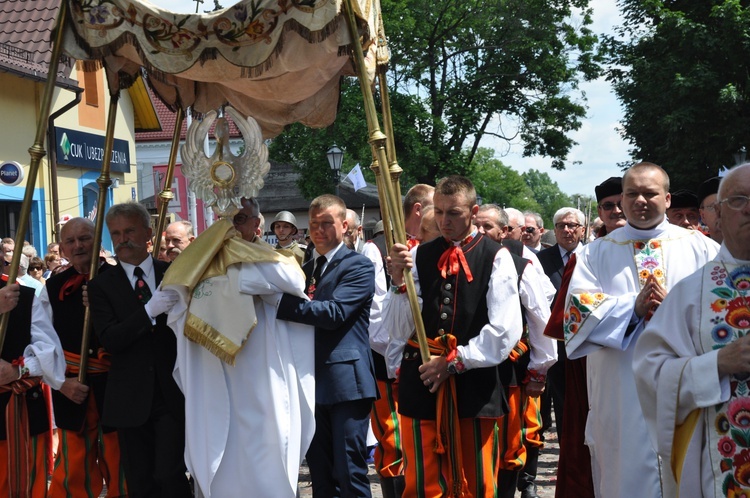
(73, 284)
(451, 259)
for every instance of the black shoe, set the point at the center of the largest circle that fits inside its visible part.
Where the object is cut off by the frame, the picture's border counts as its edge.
(529, 492)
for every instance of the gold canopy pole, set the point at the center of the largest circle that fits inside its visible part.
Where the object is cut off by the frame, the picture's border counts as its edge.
(377, 142)
(394, 169)
(104, 182)
(37, 153)
(166, 194)
(385, 213)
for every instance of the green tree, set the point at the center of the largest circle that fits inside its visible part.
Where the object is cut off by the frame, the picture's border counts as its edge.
(547, 194)
(683, 77)
(456, 67)
(499, 184)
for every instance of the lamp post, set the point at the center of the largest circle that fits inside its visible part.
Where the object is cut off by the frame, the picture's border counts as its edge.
(739, 156)
(335, 158)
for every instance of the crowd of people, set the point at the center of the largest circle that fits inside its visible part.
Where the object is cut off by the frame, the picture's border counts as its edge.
(218, 363)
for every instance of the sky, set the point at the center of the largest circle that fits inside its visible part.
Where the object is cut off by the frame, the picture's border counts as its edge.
(599, 148)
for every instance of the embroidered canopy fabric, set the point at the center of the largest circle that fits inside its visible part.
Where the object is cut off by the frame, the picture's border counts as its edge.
(279, 61)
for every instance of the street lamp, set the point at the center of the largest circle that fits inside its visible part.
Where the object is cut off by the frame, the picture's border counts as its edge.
(739, 156)
(335, 158)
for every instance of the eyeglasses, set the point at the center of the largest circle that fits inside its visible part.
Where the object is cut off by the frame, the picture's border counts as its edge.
(241, 219)
(567, 226)
(609, 206)
(35, 268)
(529, 229)
(736, 202)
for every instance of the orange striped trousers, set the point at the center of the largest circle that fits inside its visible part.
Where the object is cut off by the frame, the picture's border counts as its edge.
(86, 460)
(427, 473)
(519, 429)
(37, 465)
(386, 427)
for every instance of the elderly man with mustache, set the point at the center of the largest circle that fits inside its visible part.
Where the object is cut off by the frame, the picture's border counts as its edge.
(142, 399)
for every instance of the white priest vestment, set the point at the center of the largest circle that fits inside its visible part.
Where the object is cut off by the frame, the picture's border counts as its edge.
(249, 425)
(676, 373)
(600, 323)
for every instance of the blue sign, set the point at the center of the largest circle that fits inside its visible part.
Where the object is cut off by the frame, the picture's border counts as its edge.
(11, 173)
(86, 150)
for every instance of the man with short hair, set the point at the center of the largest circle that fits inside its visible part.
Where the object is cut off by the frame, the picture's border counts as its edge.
(472, 322)
(354, 232)
(691, 363)
(340, 284)
(532, 231)
(617, 283)
(247, 221)
(516, 221)
(428, 229)
(178, 236)
(523, 375)
(683, 210)
(416, 199)
(707, 193)
(574, 464)
(609, 205)
(142, 399)
(88, 454)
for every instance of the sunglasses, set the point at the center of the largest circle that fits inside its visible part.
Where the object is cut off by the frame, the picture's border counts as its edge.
(35, 268)
(529, 229)
(609, 206)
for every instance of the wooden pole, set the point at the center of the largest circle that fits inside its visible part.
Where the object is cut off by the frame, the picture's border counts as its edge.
(37, 153)
(387, 196)
(104, 182)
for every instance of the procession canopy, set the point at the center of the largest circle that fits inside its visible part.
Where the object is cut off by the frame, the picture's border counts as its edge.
(279, 61)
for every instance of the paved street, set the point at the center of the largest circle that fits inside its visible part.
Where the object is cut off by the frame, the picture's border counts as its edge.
(546, 477)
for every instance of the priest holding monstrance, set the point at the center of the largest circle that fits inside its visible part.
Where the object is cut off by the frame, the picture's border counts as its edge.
(248, 378)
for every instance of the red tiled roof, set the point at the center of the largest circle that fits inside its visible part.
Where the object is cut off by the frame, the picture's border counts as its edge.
(25, 40)
(168, 119)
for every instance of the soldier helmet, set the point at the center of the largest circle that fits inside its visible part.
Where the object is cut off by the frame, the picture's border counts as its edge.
(287, 217)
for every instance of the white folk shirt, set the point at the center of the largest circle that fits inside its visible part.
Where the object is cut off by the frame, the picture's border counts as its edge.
(248, 426)
(676, 372)
(600, 323)
(495, 340)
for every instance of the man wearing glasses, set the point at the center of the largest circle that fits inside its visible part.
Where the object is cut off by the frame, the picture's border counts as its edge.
(618, 282)
(609, 205)
(247, 221)
(694, 354)
(531, 233)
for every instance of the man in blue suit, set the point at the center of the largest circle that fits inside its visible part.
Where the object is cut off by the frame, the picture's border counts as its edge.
(340, 283)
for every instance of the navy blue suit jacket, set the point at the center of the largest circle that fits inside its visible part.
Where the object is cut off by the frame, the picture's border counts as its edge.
(340, 313)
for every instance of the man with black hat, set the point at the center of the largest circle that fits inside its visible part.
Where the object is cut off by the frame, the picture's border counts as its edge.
(683, 211)
(707, 198)
(608, 198)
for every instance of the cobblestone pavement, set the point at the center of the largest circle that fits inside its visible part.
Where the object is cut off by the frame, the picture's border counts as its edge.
(546, 474)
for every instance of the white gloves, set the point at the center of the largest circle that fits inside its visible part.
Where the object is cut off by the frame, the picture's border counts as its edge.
(161, 301)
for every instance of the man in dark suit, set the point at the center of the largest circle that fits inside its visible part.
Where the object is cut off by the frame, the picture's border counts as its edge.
(340, 283)
(142, 399)
(570, 225)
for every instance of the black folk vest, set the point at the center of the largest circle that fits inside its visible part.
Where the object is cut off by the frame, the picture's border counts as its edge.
(68, 316)
(459, 307)
(17, 337)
